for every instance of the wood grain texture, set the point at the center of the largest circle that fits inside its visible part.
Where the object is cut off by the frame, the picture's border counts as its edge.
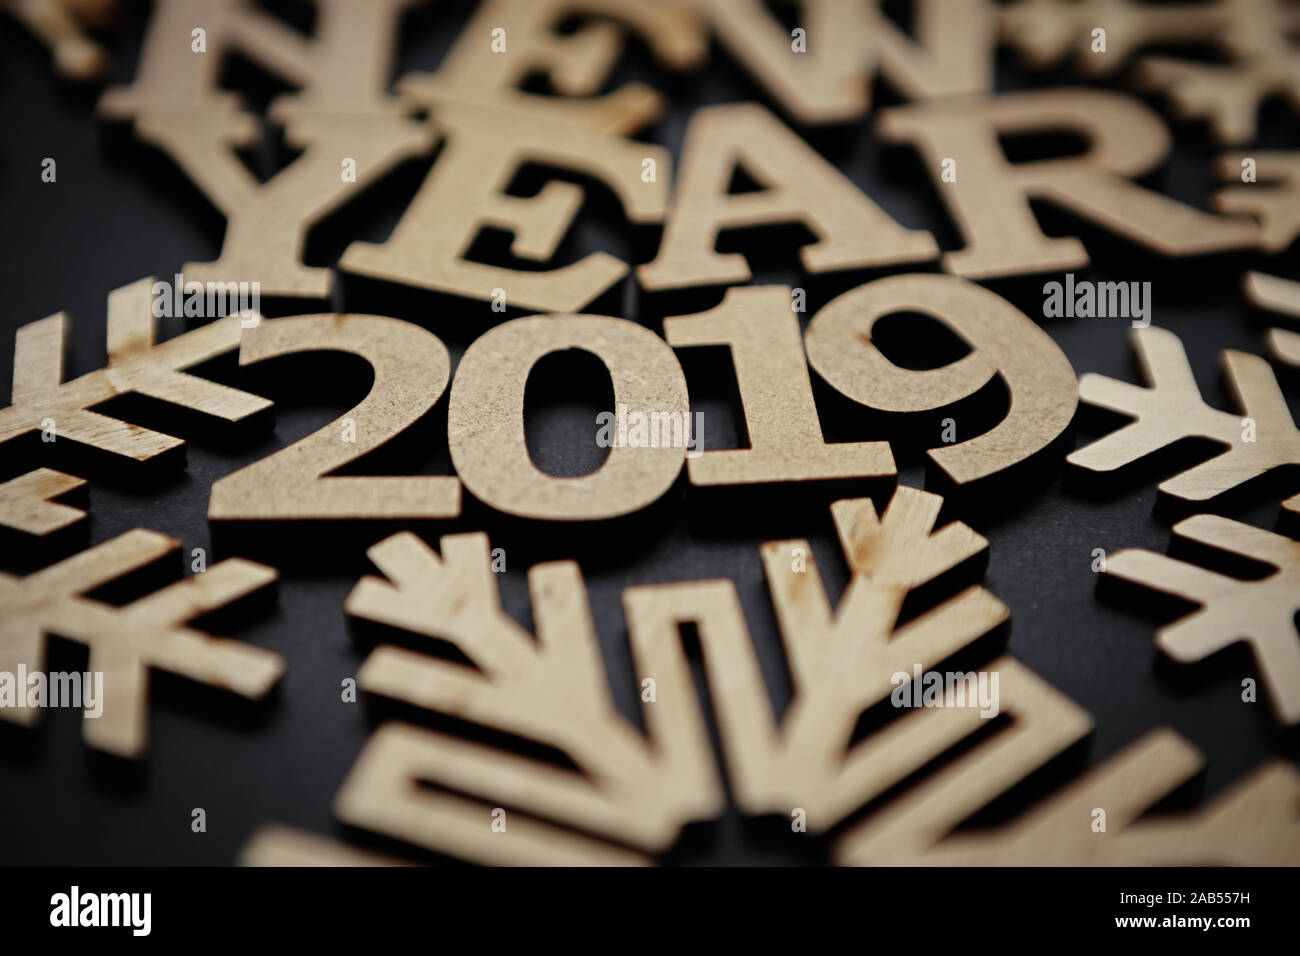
(554, 691)
(268, 222)
(1004, 343)
(341, 110)
(343, 67)
(1277, 295)
(411, 368)
(1228, 96)
(1254, 823)
(485, 418)
(1273, 200)
(632, 789)
(799, 186)
(849, 43)
(843, 661)
(1048, 32)
(1171, 408)
(466, 192)
(127, 642)
(631, 792)
(627, 793)
(785, 434)
(989, 200)
(27, 502)
(577, 63)
(1259, 612)
(136, 364)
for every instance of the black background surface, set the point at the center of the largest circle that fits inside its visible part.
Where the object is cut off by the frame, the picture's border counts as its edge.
(120, 211)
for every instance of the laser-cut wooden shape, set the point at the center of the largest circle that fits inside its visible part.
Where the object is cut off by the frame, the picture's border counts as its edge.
(1273, 199)
(1004, 342)
(127, 642)
(341, 111)
(485, 419)
(632, 789)
(800, 186)
(465, 192)
(1279, 295)
(1264, 63)
(344, 67)
(785, 435)
(411, 368)
(1261, 613)
(1255, 823)
(1229, 96)
(1252, 35)
(1171, 408)
(267, 223)
(27, 502)
(1285, 346)
(845, 660)
(990, 198)
(849, 42)
(842, 662)
(1045, 32)
(1272, 292)
(60, 25)
(576, 63)
(554, 691)
(136, 364)
(279, 845)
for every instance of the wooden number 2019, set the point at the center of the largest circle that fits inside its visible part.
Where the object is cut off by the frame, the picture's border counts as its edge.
(486, 428)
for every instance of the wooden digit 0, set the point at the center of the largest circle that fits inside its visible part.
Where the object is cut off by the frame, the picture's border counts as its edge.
(485, 418)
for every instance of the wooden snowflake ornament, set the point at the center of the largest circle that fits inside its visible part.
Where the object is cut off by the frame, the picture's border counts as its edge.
(1262, 437)
(1277, 295)
(639, 790)
(61, 25)
(127, 642)
(631, 792)
(1228, 96)
(1261, 613)
(1100, 37)
(1045, 32)
(27, 503)
(43, 401)
(1272, 199)
(1255, 823)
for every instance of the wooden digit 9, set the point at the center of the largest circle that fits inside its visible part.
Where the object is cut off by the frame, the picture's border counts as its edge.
(1003, 340)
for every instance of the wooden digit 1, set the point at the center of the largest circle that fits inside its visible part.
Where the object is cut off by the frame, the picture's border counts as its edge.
(1003, 341)
(485, 418)
(785, 435)
(411, 370)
